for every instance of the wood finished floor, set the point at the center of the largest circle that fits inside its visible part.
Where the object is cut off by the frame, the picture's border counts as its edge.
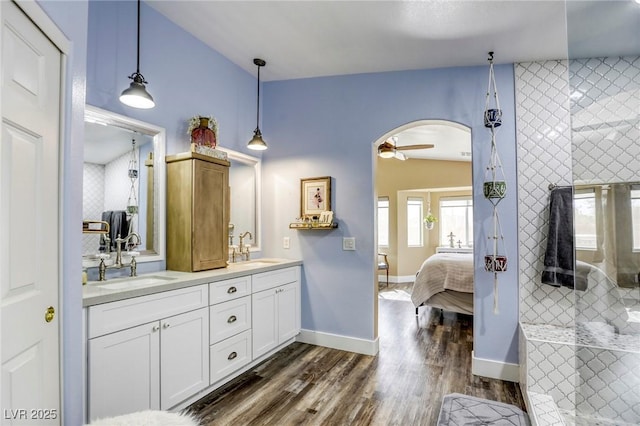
(421, 359)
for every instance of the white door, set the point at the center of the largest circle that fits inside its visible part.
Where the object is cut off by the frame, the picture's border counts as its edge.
(184, 356)
(29, 235)
(124, 371)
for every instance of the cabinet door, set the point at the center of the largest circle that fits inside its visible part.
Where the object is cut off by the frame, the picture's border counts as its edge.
(265, 328)
(123, 372)
(210, 227)
(184, 356)
(288, 311)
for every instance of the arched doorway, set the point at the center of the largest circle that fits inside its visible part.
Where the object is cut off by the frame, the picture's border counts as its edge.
(436, 181)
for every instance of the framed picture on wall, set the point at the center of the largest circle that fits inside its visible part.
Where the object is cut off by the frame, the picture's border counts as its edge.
(315, 196)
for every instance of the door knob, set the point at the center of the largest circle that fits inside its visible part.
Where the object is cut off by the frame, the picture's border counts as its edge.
(51, 312)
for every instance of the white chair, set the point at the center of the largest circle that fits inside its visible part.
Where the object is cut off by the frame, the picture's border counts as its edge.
(383, 264)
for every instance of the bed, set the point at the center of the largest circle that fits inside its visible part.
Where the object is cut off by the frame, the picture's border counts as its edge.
(445, 281)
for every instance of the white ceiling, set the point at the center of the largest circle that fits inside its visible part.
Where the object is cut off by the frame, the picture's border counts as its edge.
(313, 38)
(301, 39)
(103, 144)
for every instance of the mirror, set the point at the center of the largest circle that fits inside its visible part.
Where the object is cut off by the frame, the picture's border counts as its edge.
(109, 150)
(245, 184)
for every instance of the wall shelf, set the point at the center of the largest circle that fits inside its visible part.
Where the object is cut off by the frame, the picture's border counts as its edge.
(314, 226)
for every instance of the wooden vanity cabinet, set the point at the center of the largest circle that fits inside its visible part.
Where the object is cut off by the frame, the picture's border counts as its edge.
(197, 212)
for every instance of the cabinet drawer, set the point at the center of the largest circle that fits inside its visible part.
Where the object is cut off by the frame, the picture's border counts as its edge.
(229, 355)
(266, 280)
(222, 291)
(114, 316)
(229, 318)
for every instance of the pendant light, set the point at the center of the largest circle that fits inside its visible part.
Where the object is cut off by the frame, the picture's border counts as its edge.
(257, 143)
(136, 95)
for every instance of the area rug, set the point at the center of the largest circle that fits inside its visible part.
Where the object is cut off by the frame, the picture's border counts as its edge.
(395, 295)
(459, 410)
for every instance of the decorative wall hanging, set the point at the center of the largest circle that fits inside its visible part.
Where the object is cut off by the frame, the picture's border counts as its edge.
(315, 196)
(495, 185)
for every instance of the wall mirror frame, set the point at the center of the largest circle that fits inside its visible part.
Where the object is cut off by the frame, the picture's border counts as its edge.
(246, 200)
(158, 139)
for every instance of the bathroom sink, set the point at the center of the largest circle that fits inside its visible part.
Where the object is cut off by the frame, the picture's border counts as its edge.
(133, 282)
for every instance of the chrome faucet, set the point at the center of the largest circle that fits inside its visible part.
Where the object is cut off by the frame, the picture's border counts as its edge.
(102, 268)
(244, 250)
(127, 242)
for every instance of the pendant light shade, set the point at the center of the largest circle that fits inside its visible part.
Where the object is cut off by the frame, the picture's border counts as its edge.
(257, 143)
(136, 95)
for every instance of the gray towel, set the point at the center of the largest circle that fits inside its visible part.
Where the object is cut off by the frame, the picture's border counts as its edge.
(559, 257)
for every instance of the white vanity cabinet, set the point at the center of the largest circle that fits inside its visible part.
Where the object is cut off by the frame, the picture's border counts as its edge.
(230, 326)
(276, 308)
(148, 352)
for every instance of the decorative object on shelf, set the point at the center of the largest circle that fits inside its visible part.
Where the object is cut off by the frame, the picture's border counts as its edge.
(451, 239)
(315, 196)
(132, 202)
(495, 185)
(136, 95)
(324, 221)
(203, 130)
(257, 143)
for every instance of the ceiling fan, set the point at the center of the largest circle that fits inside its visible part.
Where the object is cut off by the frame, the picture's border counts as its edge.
(388, 149)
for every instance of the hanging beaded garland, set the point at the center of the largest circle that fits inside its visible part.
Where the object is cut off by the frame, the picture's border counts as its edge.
(132, 203)
(495, 185)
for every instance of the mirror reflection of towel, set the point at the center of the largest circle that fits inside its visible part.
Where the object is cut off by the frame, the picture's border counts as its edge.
(559, 257)
(118, 226)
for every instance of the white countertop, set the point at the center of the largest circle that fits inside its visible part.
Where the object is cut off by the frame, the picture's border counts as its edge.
(98, 292)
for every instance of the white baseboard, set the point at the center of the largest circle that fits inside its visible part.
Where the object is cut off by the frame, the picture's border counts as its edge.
(336, 341)
(395, 279)
(495, 369)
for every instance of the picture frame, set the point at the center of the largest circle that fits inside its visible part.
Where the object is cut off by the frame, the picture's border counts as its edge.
(315, 196)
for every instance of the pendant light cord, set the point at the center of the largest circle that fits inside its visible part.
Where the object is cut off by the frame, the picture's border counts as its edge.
(258, 103)
(138, 55)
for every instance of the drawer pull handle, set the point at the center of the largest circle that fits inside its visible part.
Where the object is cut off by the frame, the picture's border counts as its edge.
(231, 319)
(232, 355)
(155, 328)
(166, 325)
(231, 290)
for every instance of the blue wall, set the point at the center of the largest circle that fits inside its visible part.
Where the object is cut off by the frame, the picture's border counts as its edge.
(329, 126)
(186, 77)
(314, 127)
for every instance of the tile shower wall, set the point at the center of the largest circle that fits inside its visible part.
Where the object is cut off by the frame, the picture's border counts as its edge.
(92, 202)
(544, 157)
(589, 372)
(605, 102)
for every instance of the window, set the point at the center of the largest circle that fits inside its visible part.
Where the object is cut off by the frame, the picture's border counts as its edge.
(456, 217)
(383, 222)
(584, 211)
(414, 222)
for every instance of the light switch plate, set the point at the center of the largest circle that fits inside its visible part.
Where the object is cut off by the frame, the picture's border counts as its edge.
(348, 243)
(286, 243)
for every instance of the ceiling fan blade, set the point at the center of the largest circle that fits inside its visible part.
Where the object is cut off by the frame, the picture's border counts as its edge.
(411, 147)
(400, 156)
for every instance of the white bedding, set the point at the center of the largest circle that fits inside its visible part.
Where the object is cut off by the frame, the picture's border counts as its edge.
(440, 272)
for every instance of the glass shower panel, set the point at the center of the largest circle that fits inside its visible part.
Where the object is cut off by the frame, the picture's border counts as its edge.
(604, 80)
